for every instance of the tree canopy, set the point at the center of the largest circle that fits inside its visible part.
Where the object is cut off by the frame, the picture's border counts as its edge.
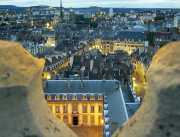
(150, 38)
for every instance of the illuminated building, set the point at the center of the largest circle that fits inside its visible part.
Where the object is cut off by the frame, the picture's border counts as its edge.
(90, 102)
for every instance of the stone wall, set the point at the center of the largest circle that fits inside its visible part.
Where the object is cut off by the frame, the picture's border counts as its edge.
(24, 110)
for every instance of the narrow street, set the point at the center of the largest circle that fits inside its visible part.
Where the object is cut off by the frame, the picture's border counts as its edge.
(139, 88)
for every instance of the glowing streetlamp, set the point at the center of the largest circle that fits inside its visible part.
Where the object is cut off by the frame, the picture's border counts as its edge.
(47, 25)
(48, 77)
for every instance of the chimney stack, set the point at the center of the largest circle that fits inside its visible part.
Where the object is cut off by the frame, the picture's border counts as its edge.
(116, 85)
(123, 81)
(68, 83)
(81, 83)
(104, 77)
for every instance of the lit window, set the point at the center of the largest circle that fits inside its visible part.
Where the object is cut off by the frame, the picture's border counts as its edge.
(57, 109)
(84, 97)
(92, 97)
(65, 109)
(100, 97)
(64, 97)
(92, 109)
(84, 109)
(57, 97)
(160, 39)
(92, 119)
(157, 39)
(84, 119)
(99, 119)
(74, 97)
(49, 97)
(59, 117)
(100, 109)
(50, 108)
(75, 110)
(65, 118)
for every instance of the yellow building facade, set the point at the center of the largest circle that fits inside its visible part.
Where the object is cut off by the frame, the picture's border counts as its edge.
(78, 113)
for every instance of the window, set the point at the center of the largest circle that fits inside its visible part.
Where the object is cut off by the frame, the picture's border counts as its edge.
(50, 108)
(100, 109)
(74, 109)
(100, 97)
(92, 119)
(92, 109)
(84, 97)
(64, 97)
(57, 97)
(65, 109)
(57, 109)
(84, 109)
(49, 97)
(92, 97)
(74, 97)
(65, 119)
(84, 119)
(59, 117)
(99, 119)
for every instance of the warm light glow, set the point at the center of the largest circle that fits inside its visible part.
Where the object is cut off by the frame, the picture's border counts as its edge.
(134, 78)
(48, 77)
(102, 121)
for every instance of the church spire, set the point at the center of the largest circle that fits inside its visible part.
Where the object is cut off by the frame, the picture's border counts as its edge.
(61, 12)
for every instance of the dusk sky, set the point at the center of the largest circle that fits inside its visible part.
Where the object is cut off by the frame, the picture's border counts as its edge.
(99, 3)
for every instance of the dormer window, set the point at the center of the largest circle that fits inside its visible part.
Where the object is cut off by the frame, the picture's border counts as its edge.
(57, 97)
(100, 97)
(64, 97)
(74, 97)
(92, 97)
(84, 97)
(49, 97)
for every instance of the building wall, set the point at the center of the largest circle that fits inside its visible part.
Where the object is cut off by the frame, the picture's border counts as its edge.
(61, 114)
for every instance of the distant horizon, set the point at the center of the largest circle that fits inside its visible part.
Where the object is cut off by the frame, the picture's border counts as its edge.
(93, 6)
(171, 4)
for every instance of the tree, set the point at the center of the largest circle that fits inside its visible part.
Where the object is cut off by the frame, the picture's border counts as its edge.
(3, 24)
(93, 24)
(150, 38)
(162, 44)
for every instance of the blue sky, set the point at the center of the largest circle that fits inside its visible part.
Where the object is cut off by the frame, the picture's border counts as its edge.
(100, 3)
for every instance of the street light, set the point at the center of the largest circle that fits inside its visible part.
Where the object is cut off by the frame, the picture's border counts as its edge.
(134, 78)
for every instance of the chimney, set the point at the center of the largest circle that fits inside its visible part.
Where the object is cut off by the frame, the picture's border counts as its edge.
(91, 64)
(146, 50)
(116, 85)
(111, 64)
(81, 83)
(101, 71)
(60, 76)
(125, 86)
(94, 70)
(102, 64)
(68, 83)
(120, 71)
(104, 77)
(82, 59)
(141, 49)
(122, 81)
(44, 83)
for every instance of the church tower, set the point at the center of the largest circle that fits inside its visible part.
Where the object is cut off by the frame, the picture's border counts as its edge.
(61, 12)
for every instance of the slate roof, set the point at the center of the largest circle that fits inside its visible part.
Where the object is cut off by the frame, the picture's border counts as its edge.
(115, 98)
(132, 108)
(130, 35)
